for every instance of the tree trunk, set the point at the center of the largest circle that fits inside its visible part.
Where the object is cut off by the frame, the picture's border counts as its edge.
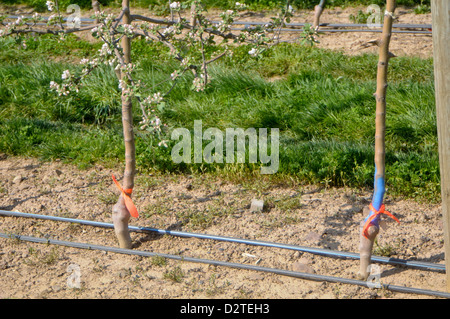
(121, 215)
(317, 13)
(366, 243)
(96, 8)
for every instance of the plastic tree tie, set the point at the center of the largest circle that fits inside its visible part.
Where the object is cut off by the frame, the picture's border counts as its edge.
(127, 198)
(376, 213)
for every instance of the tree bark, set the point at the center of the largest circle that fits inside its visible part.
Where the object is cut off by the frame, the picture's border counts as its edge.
(96, 8)
(121, 215)
(317, 13)
(366, 244)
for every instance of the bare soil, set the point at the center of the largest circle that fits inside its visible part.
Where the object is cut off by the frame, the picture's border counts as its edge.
(293, 214)
(299, 215)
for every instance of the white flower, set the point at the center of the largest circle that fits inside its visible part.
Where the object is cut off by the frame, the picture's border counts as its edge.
(168, 31)
(105, 50)
(174, 75)
(253, 52)
(128, 29)
(157, 98)
(162, 143)
(19, 20)
(65, 75)
(51, 18)
(50, 5)
(174, 5)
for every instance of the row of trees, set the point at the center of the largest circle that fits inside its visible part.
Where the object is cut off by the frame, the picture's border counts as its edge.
(195, 43)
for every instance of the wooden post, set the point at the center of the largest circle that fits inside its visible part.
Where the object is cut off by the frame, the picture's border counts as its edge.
(440, 10)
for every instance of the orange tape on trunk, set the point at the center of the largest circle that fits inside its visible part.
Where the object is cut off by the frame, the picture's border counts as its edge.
(127, 197)
(376, 213)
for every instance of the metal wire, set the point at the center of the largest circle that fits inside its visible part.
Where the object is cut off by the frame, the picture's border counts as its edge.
(282, 272)
(312, 250)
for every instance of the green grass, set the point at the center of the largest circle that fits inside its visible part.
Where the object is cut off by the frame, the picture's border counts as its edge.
(322, 103)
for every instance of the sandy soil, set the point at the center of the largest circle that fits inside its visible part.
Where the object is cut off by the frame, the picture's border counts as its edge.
(300, 215)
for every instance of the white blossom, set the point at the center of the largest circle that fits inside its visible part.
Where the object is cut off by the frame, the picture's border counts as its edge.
(168, 31)
(50, 5)
(163, 143)
(174, 5)
(174, 75)
(51, 18)
(105, 50)
(128, 29)
(253, 52)
(65, 75)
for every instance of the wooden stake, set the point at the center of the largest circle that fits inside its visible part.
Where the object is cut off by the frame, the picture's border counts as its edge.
(440, 10)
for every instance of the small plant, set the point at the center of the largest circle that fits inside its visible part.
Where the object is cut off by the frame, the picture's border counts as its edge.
(360, 17)
(385, 251)
(422, 8)
(176, 274)
(38, 257)
(108, 199)
(158, 261)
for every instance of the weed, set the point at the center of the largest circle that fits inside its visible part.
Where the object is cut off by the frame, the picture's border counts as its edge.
(158, 261)
(422, 8)
(175, 274)
(360, 17)
(108, 198)
(385, 251)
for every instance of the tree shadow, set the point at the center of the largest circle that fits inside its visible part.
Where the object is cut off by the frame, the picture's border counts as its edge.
(153, 236)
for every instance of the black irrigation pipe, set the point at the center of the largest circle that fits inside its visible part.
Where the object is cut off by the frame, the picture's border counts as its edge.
(282, 272)
(312, 250)
(337, 27)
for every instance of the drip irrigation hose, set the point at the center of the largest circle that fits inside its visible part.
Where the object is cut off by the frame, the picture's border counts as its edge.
(87, 21)
(312, 250)
(289, 273)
